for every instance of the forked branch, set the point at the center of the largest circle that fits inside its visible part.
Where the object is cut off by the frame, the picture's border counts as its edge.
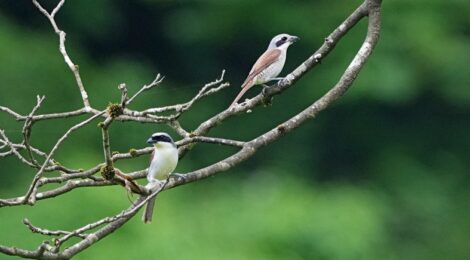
(71, 179)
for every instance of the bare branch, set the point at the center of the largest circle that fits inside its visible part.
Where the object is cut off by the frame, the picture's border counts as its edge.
(39, 253)
(289, 80)
(27, 130)
(46, 232)
(205, 91)
(112, 223)
(106, 147)
(175, 124)
(57, 8)
(70, 179)
(124, 94)
(11, 112)
(210, 140)
(369, 7)
(19, 117)
(63, 51)
(13, 150)
(195, 139)
(154, 83)
(70, 184)
(105, 138)
(31, 199)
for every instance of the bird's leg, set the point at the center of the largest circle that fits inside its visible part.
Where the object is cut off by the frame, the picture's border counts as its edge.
(278, 79)
(265, 87)
(272, 79)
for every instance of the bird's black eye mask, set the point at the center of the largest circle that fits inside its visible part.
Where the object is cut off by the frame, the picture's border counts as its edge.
(162, 138)
(281, 41)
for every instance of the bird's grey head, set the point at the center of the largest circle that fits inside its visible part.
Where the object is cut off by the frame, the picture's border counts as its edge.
(160, 138)
(282, 39)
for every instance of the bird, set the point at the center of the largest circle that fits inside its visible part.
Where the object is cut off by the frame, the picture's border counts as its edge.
(269, 64)
(163, 162)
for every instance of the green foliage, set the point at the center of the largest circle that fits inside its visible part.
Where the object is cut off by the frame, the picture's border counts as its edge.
(381, 174)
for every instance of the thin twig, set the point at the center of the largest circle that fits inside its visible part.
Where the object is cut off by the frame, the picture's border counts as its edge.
(27, 130)
(31, 199)
(154, 83)
(46, 232)
(175, 124)
(125, 214)
(11, 112)
(124, 97)
(205, 91)
(13, 149)
(63, 51)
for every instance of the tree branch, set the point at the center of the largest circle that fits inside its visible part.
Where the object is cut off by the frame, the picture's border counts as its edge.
(31, 199)
(27, 130)
(63, 51)
(70, 179)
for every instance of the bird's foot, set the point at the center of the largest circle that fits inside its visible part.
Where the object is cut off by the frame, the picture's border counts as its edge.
(282, 81)
(153, 185)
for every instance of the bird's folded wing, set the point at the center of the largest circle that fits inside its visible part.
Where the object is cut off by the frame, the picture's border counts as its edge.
(269, 57)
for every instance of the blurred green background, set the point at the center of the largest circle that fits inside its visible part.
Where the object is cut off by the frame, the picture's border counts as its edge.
(383, 173)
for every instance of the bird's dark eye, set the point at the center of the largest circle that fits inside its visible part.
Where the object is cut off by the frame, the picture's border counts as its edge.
(281, 41)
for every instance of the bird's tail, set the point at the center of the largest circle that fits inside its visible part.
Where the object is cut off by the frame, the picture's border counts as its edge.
(245, 88)
(148, 213)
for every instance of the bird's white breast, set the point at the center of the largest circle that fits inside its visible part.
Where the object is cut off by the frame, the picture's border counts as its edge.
(163, 162)
(272, 70)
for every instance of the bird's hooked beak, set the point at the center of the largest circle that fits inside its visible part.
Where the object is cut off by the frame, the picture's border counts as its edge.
(151, 141)
(293, 39)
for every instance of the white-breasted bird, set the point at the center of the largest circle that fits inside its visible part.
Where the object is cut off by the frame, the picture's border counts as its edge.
(269, 64)
(163, 162)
